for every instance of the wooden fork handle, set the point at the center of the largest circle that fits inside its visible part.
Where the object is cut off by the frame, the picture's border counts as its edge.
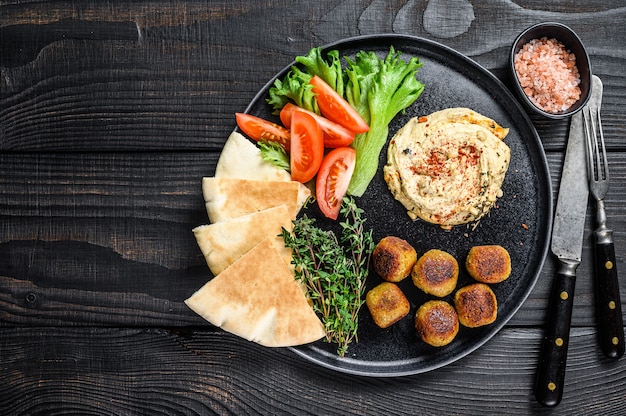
(609, 306)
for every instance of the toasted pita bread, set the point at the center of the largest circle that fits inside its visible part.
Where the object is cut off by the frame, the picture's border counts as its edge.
(224, 242)
(257, 298)
(228, 198)
(241, 159)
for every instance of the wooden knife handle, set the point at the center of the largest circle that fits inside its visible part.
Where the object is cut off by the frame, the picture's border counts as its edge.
(609, 306)
(553, 356)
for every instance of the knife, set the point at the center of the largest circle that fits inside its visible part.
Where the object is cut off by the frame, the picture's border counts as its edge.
(567, 244)
(20, 44)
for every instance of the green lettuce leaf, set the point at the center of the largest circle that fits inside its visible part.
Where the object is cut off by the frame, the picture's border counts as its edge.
(295, 86)
(329, 68)
(273, 152)
(378, 90)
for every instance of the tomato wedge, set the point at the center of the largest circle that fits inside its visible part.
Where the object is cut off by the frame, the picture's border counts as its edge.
(335, 135)
(307, 147)
(259, 129)
(333, 179)
(334, 107)
(286, 112)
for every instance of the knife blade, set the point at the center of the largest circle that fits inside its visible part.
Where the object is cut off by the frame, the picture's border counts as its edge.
(566, 244)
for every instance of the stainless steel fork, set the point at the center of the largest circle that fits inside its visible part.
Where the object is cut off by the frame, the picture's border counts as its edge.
(609, 307)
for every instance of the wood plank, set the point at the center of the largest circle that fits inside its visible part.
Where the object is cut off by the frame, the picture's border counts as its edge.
(103, 144)
(178, 87)
(85, 231)
(149, 186)
(121, 371)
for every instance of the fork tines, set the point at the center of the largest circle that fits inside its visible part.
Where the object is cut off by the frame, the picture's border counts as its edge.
(599, 171)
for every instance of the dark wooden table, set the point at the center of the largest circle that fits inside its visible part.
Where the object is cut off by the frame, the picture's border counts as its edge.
(104, 139)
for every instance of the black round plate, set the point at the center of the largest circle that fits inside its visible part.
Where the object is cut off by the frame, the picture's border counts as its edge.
(520, 222)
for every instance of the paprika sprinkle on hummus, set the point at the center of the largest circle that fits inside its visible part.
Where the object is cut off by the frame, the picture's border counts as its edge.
(548, 74)
(447, 168)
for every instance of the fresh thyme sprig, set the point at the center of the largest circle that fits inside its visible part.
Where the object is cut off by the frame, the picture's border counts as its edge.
(334, 270)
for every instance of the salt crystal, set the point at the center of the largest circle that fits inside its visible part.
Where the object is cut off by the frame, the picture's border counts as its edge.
(548, 74)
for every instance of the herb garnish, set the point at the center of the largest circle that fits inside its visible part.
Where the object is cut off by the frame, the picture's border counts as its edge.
(333, 270)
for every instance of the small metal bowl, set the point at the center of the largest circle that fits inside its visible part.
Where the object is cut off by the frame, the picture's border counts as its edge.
(572, 42)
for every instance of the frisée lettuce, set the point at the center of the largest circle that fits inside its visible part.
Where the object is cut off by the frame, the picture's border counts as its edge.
(377, 88)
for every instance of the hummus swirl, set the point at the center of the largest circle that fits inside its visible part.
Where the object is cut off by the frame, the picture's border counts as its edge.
(447, 168)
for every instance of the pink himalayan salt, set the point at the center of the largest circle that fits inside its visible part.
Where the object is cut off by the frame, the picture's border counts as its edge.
(548, 74)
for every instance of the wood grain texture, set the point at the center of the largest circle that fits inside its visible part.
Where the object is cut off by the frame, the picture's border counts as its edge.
(173, 89)
(103, 144)
(84, 231)
(127, 371)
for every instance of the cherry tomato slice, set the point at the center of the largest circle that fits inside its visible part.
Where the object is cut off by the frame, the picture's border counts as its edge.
(335, 135)
(334, 107)
(333, 179)
(307, 147)
(259, 129)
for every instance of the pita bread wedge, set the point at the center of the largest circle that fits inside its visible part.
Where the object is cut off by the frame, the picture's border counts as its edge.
(228, 198)
(257, 298)
(222, 243)
(241, 159)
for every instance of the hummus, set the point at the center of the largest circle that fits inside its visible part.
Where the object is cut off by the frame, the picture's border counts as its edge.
(447, 168)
